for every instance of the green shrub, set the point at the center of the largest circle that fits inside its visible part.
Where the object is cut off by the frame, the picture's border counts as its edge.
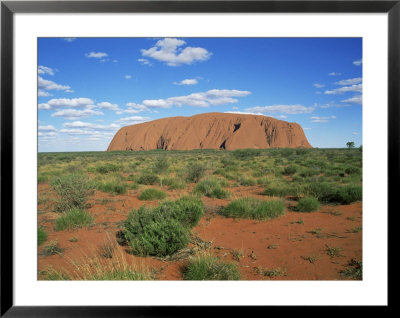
(42, 178)
(209, 268)
(247, 182)
(195, 172)
(251, 208)
(148, 179)
(152, 194)
(211, 188)
(150, 233)
(74, 218)
(42, 235)
(353, 170)
(177, 184)
(161, 165)
(73, 191)
(106, 168)
(290, 170)
(246, 153)
(347, 194)
(114, 187)
(283, 190)
(187, 210)
(329, 193)
(308, 204)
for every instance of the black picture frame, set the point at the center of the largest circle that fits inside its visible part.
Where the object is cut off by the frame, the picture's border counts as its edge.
(8, 8)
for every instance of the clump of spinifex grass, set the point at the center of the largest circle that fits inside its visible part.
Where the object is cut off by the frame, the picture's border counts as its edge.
(74, 218)
(195, 171)
(207, 267)
(353, 270)
(250, 208)
(308, 204)
(148, 178)
(51, 249)
(152, 194)
(42, 235)
(73, 191)
(94, 266)
(212, 188)
(162, 230)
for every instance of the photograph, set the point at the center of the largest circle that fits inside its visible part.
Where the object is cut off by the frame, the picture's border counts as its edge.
(199, 158)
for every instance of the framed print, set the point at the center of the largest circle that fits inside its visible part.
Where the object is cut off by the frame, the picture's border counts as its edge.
(160, 155)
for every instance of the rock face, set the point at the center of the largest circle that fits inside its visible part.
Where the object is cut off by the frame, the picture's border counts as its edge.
(210, 131)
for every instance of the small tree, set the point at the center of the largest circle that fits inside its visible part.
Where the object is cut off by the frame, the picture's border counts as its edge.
(350, 144)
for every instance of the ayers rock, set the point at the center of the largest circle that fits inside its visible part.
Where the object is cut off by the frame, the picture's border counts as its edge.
(210, 131)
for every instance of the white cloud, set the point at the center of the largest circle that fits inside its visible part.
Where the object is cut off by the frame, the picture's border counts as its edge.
(76, 114)
(350, 81)
(134, 108)
(334, 74)
(96, 55)
(145, 62)
(47, 85)
(285, 109)
(90, 126)
(107, 105)
(357, 99)
(328, 105)
(317, 119)
(166, 50)
(358, 62)
(201, 99)
(133, 120)
(188, 81)
(243, 113)
(42, 93)
(45, 70)
(54, 103)
(128, 76)
(345, 89)
(46, 134)
(306, 128)
(69, 39)
(317, 85)
(47, 128)
(355, 133)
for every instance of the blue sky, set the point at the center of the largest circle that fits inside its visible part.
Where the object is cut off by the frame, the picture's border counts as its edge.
(90, 87)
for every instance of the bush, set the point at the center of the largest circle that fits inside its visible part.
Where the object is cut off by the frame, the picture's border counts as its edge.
(113, 187)
(195, 172)
(353, 170)
(106, 168)
(148, 179)
(283, 190)
(246, 153)
(326, 192)
(208, 268)
(187, 210)
(347, 194)
(211, 188)
(149, 233)
(73, 191)
(74, 218)
(247, 182)
(308, 204)
(250, 208)
(290, 170)
(152, 194)
(42, 235)
(161, 165)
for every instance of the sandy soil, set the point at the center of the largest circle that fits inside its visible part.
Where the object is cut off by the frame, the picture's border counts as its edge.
(296, 243)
